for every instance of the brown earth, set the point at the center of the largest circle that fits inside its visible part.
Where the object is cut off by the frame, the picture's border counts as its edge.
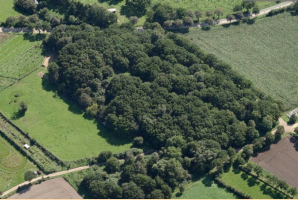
(49, 59)
(3, 36)
(281, 160)
(56, 188)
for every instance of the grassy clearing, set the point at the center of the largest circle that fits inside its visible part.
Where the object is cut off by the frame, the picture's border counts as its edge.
(249, 185)
(19, 54)
(203, 189)
(264, 52)
(56, 123)
(7, 10)
(13, 165)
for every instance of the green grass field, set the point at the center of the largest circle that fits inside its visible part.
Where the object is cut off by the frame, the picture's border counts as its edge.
(265, 52)
(19, 54)
(13, 165)
(249, 185)
(56, 123)
(6, 10)
(203, 189)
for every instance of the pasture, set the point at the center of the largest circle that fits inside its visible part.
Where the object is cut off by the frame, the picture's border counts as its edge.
(281, 160)
(13, 165)
(250, 185)
(57, 123)
(19, 55)
(203, 189)
(265, 52)
(7, 10)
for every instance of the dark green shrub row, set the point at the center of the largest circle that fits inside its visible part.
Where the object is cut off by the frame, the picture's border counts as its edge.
(231, 189)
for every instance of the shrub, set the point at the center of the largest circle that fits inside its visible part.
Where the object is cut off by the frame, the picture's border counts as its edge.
(134, 19)
(293, 119)
(104, 156)
(138, 141)
(29, 175)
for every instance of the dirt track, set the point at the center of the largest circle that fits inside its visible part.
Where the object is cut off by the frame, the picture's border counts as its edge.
(281, 160)
(53, 189)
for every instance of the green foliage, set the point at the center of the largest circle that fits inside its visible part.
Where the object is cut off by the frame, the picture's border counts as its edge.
(132, 191)
(27, 6)
(29, 175)
(113, 165)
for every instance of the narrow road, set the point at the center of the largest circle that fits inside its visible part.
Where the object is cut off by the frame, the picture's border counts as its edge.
(262, 12)
(64, 172)
(46, 176)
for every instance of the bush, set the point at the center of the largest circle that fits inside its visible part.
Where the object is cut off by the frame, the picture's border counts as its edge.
(293, 119)
(29, 175)
(138, 141)
(134, 19)
(104, 156)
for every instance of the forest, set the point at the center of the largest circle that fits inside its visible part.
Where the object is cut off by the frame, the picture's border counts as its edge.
(160, 89)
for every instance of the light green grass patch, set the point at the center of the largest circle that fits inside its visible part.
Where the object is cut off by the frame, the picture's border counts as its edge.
(7, 10)
(249, 185)
(265, 52)
(58, 124)
(203, 189)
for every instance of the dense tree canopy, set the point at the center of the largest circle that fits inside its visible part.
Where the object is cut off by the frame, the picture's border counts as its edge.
(159, 87)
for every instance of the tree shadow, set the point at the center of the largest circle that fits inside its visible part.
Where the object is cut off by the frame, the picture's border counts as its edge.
(128, 12)
(207, 181)
(244, 176)
(252, 182)
(251, 21)
(236, 170)
(24, 188)
(272, 192)
(18, 114)
(111, 2)
(178, 194)
(34, 37)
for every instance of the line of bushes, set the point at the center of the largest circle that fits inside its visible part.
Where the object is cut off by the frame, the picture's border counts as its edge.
(291, 8)
(280, 186)
(231, 189)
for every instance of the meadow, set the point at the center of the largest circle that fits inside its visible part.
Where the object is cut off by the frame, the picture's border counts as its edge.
(250, 185)
(13, 165)
(265, 51)
(57, 123)
(203, 189)
(19, 55)
(7, 10)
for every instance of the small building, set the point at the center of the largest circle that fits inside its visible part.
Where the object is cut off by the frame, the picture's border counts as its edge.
(295, 112)
(26, 146)
(112, 10)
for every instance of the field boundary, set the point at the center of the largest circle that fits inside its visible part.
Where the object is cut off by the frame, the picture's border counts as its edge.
(238, 193)
(265, 182)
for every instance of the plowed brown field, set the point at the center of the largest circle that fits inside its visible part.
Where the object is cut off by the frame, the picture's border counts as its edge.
(56, 188)
(281, 160)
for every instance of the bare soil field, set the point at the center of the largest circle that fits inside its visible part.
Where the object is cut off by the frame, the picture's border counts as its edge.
(53, 189)
(281, 160)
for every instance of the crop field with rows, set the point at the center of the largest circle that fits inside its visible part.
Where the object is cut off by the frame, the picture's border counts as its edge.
(265, 52)
(19, 55)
